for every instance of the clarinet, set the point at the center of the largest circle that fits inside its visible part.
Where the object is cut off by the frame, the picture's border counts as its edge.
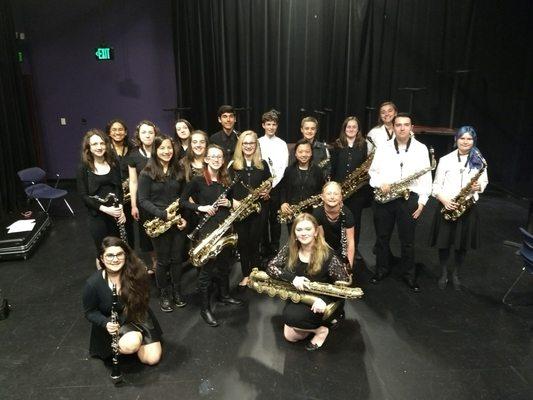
(207, 216)
(121, 227)
(116, 374)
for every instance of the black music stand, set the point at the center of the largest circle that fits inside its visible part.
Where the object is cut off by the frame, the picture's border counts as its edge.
(412, 91)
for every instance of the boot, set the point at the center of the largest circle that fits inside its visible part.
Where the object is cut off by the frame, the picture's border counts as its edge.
(206, 313)
(224, 296)
(165, 302)
(177, 297)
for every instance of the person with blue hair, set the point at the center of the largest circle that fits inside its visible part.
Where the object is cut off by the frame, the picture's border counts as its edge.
(463, 168)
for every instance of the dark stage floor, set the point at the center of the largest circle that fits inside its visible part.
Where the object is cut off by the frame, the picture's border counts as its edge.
(394, 344)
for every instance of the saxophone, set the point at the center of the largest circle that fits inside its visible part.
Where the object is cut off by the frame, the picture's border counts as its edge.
(401, 188)
(156, 226)
(358, 177)
(212, 244)
(295, 209)
(464, 199)
(261, 282)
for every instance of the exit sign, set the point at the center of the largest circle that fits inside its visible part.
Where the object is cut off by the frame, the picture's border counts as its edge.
(104, 53)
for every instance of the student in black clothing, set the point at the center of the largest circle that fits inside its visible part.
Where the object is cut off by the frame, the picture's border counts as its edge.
(138, 327)
(251, 171)
(117, 131)
(160, 184)
(302, 179)
(144, 137)
(211, 197)
(98, 175)
(227, 137)
(349, 152)
(193, 162)
(333, 217)
(183, 136)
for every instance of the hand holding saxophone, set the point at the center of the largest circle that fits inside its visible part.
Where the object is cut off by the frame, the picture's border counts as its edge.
(299, 282)
(447, 203)
(319, 306)
(385, 188)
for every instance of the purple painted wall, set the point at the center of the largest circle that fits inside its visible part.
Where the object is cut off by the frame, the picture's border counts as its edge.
(71, 83)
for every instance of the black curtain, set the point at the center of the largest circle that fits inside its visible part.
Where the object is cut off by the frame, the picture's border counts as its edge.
(17, 150)
(349, 55)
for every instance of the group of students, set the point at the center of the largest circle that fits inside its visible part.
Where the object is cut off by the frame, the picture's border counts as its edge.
(211, 175)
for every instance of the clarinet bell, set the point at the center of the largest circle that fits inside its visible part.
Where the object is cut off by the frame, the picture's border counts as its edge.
(116, 379)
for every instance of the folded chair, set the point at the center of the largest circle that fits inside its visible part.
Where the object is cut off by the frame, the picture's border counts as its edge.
(526, 252)
(33, 180)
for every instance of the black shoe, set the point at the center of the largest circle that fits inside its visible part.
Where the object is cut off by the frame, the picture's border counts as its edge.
(178, 300)
(309, 346)
(231, 301)
(164, 301)
(209, 318)
(442, 282)
(334, 324)
(412, 285)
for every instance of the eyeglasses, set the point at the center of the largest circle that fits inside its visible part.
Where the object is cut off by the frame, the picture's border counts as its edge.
(111, 256)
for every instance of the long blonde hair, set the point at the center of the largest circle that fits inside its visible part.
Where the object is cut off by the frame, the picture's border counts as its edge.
(319, 253)
(238, 157)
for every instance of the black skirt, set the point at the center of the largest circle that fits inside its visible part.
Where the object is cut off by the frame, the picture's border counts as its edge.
(462, 234)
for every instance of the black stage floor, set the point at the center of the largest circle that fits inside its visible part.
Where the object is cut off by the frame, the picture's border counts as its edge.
(394, 344)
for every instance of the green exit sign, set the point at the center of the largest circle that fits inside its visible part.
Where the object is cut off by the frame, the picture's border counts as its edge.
(104, 53)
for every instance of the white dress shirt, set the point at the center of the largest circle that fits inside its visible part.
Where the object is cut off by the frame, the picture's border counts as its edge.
(379, 136)
(390, 166)
(275, 152)
(453, 174)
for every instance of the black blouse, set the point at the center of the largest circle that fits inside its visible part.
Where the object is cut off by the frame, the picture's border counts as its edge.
(249, 178)
(332, 230)
(298, 184)
(155, 197)
(91, 184)
(137, 159)
(345, 160)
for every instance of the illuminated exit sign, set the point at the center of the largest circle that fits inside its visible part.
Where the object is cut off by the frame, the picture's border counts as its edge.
(104, 53)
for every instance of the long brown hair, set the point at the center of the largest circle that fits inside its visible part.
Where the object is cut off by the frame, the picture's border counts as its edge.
(238, 156)
(137, 138)
(87, 157)
(342, 140)
(134, 281)
(319, 253)
(178, 139)
(154, 168)
(223, 176)
(186, 162)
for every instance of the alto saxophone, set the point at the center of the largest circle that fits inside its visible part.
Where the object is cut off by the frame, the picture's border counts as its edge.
(212, 244)
(156, 226)
(401, 188)
(295, 209)
(464, 199)
(261, 282)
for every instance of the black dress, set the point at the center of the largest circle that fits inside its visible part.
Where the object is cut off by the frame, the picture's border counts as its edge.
(97, 302)
(298, 184)
(332, 230)
(299, 315)
(122, 161)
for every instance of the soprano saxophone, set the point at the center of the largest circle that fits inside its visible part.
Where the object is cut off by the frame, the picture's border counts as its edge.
(464, 199)
(156, 226)
(210, 246)
(261, 282)
(401, 188)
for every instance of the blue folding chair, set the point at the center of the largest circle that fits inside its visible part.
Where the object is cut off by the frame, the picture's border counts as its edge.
(526, 252)
(33, 179)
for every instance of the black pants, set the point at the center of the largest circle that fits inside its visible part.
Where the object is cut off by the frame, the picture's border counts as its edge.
(217, 269)
(169, 251)
(129, 225)
(356, 203)
(100, 226)
(397, 212)
(271, 227)
(250, 232)
(145, 243)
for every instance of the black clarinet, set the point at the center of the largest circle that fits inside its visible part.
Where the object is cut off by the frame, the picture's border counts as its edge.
(207, 216)
(116, 374)
(116, 203)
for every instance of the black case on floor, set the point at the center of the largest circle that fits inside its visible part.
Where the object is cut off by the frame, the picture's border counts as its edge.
(22, 244)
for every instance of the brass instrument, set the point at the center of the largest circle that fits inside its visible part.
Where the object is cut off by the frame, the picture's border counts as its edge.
(212, 244)
(401, 188)
(126, 191)
(464, 202)
(261, 282)
(156, 226)
(358, 177)
(295, 209)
